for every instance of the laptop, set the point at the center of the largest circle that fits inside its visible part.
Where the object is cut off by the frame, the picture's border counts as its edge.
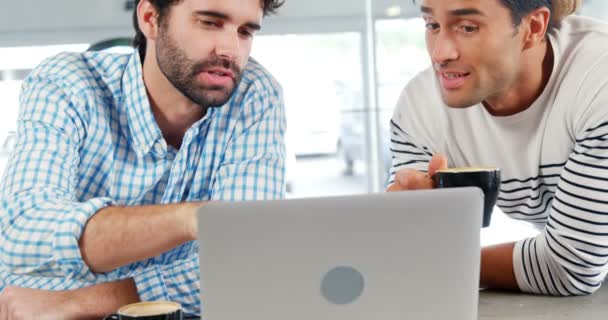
(407, 255)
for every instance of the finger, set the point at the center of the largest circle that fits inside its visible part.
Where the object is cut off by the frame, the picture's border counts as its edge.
(404, 178)
(421, 182)
(410, 179)
(393, 187)
(438, 162)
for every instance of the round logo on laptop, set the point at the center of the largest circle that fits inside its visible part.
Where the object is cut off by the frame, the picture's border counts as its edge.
(342, 285)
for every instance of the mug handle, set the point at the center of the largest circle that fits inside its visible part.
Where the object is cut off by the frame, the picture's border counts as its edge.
(111, 317)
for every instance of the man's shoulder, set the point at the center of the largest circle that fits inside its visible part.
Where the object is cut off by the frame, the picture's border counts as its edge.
(580, 25)
(75, 84)
(581, 40)
(80, 71)
(257, 77)
(582, 49)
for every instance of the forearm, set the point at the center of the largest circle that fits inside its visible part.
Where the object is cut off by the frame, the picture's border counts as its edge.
(117, 236)
(99, 300)
(497, 267)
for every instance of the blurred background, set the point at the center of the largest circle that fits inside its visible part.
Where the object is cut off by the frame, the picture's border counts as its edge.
(342, 64)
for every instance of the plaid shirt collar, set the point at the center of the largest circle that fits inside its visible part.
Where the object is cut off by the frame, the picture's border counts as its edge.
(142, 127)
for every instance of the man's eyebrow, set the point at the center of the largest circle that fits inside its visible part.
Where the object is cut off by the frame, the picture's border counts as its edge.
(214, 14)
(223, 16)
(253, 26)
(466, 12)
(456, 12)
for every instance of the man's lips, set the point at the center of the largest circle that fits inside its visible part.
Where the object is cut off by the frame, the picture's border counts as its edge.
(220, 72)
(452, 79)
(217, 77)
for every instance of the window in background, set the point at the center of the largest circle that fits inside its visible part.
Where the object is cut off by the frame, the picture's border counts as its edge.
(595, 8)
(16, 58)
(15, 64)
(321, 76)
(401, 55)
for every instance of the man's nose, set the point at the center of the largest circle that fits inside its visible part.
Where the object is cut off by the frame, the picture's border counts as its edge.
(443, 49)
(228, 46)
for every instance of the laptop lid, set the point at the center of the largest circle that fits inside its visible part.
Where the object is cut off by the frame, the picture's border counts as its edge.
(408, 255)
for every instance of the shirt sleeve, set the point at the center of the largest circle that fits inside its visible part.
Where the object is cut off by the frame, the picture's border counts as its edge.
(254, 163)
(406, 152)
(410, 137)
(253, 169)
(42, 220)
(570, 256)
(179, 282)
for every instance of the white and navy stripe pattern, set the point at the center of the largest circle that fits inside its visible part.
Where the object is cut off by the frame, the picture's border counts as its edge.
(407, 153)
(571, 256)
(87, 139)
(570, 200)
(553, 158)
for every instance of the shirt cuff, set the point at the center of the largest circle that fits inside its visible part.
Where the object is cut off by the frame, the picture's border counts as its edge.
(179, 282)
(66, 246)
(150, 285)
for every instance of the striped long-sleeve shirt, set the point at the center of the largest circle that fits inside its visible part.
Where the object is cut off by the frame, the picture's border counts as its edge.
(553, 157)
(87, 138)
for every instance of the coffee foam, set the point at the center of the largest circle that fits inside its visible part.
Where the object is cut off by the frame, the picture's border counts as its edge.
(145, 309)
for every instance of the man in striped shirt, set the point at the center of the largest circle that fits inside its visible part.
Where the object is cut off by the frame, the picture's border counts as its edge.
(115, 154)
(520, 85)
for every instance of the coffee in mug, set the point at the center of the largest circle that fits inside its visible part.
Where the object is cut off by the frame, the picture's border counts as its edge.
(485, 178)
(157, 310)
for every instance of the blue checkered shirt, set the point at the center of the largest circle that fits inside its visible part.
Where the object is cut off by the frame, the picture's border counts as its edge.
(87, 139)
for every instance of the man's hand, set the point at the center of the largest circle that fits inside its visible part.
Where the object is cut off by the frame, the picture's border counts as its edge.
(19, 303)
(410, 179)
(92, 302)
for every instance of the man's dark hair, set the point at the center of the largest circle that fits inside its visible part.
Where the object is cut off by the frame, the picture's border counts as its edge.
(520, 8)
(139, 42)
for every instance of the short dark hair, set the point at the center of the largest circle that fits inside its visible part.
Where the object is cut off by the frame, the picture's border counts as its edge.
(520, 8)
(139, 42)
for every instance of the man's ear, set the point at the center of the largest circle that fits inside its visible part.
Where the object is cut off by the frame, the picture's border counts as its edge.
(147, 18)
(535, 26)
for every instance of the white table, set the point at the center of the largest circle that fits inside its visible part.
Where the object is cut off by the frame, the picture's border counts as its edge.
(511, 306)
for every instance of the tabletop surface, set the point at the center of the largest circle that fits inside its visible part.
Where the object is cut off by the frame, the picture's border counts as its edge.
(511, 306)
(508, 306)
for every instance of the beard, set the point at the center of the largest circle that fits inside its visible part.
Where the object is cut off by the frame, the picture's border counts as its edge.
(182, 72)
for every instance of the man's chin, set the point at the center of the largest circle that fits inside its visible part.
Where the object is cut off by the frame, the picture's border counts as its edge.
(458, 102)
(217, 99)
(213, 97)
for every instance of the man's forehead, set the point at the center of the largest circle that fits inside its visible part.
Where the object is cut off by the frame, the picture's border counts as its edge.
(443, 5)
(244, 4)
(245, 9)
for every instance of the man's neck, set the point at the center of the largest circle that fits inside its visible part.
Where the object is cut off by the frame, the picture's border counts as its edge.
(529, 85)
(174, 112)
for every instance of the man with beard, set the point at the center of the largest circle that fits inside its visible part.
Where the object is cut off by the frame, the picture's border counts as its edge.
(520, 85)
(115, 154)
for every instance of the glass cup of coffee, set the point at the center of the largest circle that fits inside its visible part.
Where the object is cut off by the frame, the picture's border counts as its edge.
(485, 178)
(157, 310)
